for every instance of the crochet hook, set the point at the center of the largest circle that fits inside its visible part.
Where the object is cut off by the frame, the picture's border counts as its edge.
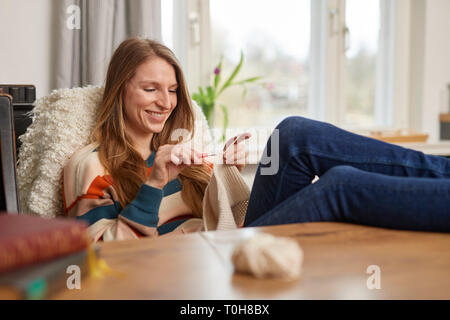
(204, 155)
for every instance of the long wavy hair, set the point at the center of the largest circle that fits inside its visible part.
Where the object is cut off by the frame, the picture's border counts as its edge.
(117, 153)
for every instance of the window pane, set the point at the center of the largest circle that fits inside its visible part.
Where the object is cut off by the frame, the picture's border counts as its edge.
(363, 22)
(274, 37)
(167, 23)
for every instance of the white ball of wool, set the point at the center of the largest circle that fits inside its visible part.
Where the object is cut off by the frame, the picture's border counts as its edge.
(265, 255)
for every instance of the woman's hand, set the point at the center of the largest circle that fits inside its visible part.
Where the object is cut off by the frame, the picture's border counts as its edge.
(234, 151)
(169, 161)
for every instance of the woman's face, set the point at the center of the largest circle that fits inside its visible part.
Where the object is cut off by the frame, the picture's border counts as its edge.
(150, 97)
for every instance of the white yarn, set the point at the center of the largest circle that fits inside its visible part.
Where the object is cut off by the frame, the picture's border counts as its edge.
(62, 123)
(265, 255)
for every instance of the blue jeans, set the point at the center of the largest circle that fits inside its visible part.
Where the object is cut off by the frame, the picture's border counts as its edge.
(362, 181)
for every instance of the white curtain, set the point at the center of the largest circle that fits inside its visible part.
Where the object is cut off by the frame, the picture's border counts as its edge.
(82, 55)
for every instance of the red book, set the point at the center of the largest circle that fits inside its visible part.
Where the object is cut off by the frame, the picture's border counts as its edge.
(26, 239)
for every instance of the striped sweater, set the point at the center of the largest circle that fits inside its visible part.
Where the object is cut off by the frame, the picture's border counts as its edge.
(88, 194)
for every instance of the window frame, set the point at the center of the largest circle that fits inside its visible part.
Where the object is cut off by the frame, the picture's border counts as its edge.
(192, 44)
(391, 71)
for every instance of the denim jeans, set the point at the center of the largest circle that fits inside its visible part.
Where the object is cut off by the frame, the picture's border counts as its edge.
(362, 180)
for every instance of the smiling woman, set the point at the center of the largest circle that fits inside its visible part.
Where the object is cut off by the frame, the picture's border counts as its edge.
(133, 180)
(150, 98)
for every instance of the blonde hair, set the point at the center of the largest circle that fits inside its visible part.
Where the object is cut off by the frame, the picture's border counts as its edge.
(117, 152)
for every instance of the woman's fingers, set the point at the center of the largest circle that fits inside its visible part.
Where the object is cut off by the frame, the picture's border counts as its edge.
(196, 156)
(169, 161)
(236, 154)
(188, 156)
(183, 154)
(236, 140)
(176, 156)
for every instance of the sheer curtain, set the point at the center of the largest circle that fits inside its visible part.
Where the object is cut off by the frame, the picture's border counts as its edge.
(82, 51)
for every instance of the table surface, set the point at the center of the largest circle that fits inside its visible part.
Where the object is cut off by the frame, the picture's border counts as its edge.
(413, 265)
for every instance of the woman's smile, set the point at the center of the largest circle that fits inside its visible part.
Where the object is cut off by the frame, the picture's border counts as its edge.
(150, 97)
(156, 116)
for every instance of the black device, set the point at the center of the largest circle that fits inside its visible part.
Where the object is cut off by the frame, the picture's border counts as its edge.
(9, 200)
(23, 97)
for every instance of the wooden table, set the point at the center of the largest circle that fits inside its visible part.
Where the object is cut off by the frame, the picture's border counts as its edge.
(413, 265)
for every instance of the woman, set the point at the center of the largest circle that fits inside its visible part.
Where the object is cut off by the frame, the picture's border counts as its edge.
(133, 180)
(111, 185)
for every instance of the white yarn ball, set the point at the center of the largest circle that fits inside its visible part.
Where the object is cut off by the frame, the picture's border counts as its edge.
(265, 255)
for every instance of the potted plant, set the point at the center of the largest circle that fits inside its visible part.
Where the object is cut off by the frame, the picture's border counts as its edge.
(207, 98)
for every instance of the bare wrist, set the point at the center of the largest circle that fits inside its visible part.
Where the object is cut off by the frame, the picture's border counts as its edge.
(154, 184)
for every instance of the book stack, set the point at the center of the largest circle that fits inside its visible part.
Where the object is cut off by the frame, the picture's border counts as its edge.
(39, 257)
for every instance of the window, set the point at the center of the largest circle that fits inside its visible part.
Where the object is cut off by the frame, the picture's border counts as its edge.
(362, 20)
(167, 23)
(274, 37)
(369, 65)
(330, 60)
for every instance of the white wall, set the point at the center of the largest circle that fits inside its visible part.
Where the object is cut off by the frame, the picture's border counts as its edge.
(430, 64)
(25, 50)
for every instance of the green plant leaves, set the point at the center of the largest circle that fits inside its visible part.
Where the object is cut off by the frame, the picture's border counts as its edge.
(225, 120)
(207, 97)
(233, 74)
